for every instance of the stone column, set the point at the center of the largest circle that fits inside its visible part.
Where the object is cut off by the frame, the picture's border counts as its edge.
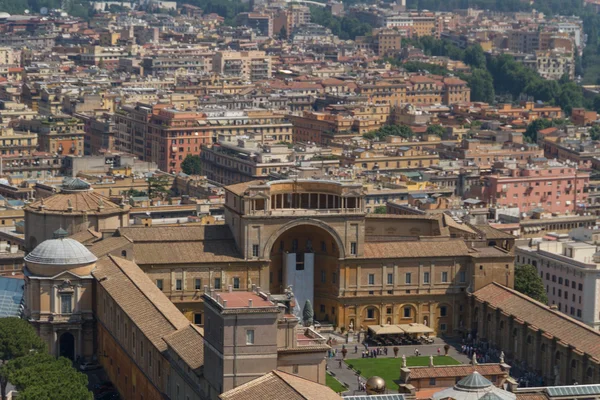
(76, 298)
(53, 299)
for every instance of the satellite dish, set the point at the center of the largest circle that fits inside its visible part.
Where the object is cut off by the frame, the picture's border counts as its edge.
(27, 11)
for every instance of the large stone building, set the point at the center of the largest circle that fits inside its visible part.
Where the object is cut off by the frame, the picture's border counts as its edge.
(316, 236)
(545, 341)
(75, 208)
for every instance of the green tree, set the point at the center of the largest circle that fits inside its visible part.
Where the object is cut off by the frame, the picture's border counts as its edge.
(482, 86)
(158, 186)
(307, 313)
(475, 57)
(534, 127)
(283, 35)
(40, 376)
(191, 165)
(17, 339)
(595, 132)
(435, 130)
(380, 210)
(529, 282)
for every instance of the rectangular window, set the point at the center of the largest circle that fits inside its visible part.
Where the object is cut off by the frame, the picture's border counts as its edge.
(323, 276)
(444, 277)
(353, 248)
(426, 277)
(159, 284)
(370, 313)
(197, 283)
(66, 305)
(178, 284)
(408, 278)
(254, 250)
(443, 327)
(371, 279)
(462, 277)
(406, 312)
(334, 278)
(431, 381)
(236, 283)
(390, 279)
(217, 283)
(198, 319)
(250, 336)
(443, 311)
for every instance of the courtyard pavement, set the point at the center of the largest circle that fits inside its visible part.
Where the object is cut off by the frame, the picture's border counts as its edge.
(349, 378)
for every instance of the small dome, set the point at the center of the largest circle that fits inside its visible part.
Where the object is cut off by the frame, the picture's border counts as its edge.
(4, 15)
(61, 252)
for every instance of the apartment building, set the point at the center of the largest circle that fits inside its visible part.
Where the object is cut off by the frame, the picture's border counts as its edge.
(58, 134)
(326, 127)
(17, 143)
(553, 65)
(548, 185)
(417, 89)
(235, 159)
(569, 271)
(248, 65)
(389, 159)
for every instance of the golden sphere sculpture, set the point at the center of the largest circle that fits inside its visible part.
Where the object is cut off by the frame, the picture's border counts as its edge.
(375, 385)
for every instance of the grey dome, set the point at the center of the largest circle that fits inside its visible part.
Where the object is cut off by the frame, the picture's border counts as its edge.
(60, 252)
(474, 387)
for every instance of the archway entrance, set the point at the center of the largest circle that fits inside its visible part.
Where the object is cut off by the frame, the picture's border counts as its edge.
(306, 258)
(66, 346)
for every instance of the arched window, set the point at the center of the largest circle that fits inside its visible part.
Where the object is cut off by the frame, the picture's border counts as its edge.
(124, 253)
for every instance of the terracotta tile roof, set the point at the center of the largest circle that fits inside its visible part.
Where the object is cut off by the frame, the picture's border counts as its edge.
(448, 371)
(240, 299)
(492, 233)
(186, 252)
(416, 249)
(109, 245)
(149, 309)
(240, 188)
(176, 233)
(277, 385)
(562, 327)
(80, 202)
(427, 394)
(531, 396)
(86, 236)
(188, 343)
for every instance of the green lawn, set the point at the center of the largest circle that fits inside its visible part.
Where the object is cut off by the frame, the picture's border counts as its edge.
(334, 384)
(389, 368)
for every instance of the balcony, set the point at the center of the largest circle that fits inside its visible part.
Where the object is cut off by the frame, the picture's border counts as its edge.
(306, 212)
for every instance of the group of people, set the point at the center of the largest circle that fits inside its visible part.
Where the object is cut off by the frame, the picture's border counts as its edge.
(374, 352)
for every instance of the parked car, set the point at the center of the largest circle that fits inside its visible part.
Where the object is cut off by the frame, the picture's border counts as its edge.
(89, 366)
(104, 387)
(112, 395)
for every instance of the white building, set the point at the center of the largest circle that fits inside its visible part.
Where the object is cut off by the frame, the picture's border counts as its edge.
(570, 271)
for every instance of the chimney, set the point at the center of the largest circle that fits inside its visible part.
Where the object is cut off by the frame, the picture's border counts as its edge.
(205, 289)
(230, 288)
(224, 303)
(250, 303)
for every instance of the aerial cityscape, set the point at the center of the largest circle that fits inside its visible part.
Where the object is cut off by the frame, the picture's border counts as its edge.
(300, 200)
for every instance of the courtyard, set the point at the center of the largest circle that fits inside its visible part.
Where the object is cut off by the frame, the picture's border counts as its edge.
(389, 368)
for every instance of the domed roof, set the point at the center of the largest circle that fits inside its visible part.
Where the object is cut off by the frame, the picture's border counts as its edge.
(62, 251)
(4, 15)
(474, 387)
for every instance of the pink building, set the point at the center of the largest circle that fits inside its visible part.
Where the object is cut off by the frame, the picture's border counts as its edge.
(555, 187)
